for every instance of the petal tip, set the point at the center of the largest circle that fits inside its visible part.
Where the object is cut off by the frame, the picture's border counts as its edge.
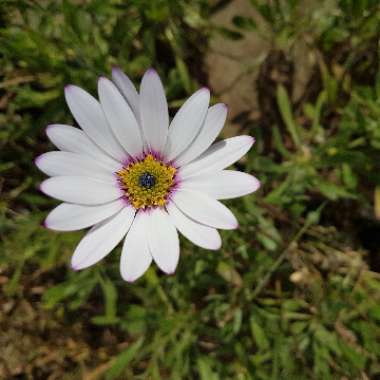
(218, 242)
(233, 225)
(68, 91)
(75, 264)
(216, 246)
(102, 81)
(41, 187)
(37, 159)
(256, 185)
(49, 128)
(151, 71)
(68, 87)
(116, 70)
(74, 267)
(169, 271)
(130, 280)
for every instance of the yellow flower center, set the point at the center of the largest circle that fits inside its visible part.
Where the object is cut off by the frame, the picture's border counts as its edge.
(147, 183)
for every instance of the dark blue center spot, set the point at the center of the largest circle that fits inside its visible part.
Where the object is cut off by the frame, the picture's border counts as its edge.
(147, 180)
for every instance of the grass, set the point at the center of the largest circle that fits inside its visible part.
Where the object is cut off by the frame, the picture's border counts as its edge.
(294, 293)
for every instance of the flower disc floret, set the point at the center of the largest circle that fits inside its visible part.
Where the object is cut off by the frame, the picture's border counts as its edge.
(148, 182)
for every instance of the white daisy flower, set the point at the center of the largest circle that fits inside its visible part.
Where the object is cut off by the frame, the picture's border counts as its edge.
(127, 173)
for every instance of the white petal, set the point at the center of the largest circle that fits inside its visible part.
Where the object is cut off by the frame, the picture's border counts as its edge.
(186, 123)
(72, 217)
(218, 156)
(82, 190)
(120, 117)
(199, 234)
(135, 256)
(204, 209)
(154, 113)
(89, 115)
(102, 239)
(163, 240)
(70, 139)
(215, 119)
(67, 163)
(225, 184)
(128, 89)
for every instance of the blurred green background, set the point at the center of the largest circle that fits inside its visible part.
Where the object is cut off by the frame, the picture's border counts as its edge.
(295, 292)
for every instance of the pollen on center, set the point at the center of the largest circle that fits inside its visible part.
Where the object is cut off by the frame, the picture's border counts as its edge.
(148, 182)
